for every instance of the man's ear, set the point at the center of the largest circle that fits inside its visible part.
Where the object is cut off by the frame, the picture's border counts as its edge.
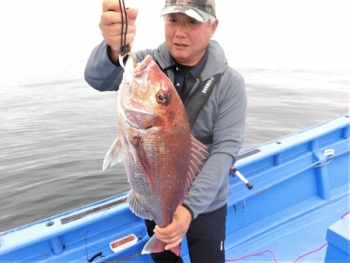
(214, 27)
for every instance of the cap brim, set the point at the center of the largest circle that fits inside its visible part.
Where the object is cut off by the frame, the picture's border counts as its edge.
(196, 14)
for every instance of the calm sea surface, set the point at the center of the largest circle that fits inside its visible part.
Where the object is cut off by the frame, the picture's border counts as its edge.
(55, 129)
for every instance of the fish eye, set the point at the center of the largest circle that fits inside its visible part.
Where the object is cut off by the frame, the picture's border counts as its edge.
(161, 98)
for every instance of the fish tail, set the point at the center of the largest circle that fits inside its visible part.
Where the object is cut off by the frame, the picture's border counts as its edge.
(154, 245)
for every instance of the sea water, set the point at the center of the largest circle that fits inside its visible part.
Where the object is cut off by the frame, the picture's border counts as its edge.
(55, 129)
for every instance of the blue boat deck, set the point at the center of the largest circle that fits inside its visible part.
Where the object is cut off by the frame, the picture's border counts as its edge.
(301, 188)
(291, 233)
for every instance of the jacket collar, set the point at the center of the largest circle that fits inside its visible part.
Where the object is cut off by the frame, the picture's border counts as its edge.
(217, 62)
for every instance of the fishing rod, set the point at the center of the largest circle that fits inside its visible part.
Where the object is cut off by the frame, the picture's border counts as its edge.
(234, 171)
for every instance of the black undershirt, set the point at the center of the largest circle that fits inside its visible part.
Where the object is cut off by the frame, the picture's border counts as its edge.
(184, 69)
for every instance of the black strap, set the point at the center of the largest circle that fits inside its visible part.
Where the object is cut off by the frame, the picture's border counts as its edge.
(196, 101)
(205, 139)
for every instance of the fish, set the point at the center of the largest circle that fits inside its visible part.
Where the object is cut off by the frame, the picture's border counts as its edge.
(160, 155)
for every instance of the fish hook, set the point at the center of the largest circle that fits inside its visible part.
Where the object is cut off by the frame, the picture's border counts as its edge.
(121, 59)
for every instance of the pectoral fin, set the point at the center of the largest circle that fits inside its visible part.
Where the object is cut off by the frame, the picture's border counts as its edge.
(114, 155)
(141, 156)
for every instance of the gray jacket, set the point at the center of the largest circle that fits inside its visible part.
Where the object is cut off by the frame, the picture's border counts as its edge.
(222, 116)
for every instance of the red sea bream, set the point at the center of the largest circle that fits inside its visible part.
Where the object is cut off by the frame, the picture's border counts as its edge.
(160, 155)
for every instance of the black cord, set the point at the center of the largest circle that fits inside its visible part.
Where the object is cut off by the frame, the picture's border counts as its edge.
(124, 48)
(94, 257)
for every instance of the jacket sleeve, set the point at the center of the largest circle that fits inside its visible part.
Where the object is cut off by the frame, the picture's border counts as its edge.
(211, 187)
(100, 73)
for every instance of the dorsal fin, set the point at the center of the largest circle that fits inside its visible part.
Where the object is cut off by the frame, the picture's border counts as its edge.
(196, 159)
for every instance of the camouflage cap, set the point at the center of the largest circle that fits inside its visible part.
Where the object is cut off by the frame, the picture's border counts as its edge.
(201, 10)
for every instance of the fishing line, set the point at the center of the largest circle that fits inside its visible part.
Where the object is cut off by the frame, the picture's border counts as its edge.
(85, 239)
(100, 117)
(123, 50)
(76, 81)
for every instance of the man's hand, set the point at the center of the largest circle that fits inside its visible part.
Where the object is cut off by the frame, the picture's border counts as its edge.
(173, 234)
(111, 26)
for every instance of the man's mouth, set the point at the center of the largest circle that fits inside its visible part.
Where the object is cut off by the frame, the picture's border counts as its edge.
(180, 45)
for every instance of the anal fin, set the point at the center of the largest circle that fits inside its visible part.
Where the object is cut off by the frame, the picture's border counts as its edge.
(154, 245)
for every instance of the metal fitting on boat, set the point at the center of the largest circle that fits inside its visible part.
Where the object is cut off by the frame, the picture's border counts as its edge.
(329, 153)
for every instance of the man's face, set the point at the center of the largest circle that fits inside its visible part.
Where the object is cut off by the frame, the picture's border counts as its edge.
(187, 38)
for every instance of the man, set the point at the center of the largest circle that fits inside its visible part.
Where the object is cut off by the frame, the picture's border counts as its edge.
(192, 61)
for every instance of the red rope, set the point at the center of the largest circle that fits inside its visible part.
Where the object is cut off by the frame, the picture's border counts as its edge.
(308, 253)
(252, 255)
(311, 252)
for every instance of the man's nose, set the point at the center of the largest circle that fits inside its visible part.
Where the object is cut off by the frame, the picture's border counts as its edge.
(181, 30)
